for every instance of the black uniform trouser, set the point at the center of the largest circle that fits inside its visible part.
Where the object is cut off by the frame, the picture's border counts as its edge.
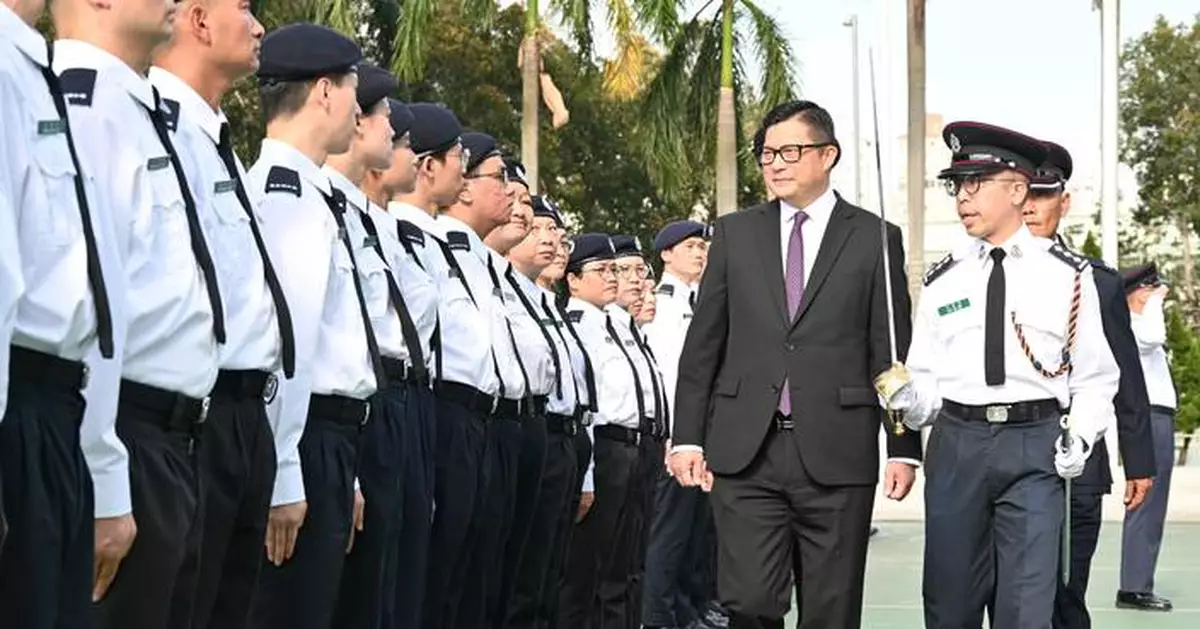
(556, 572)
(369, 577)
(595, 592)
(530, 496)
(492, 525)
(459, 476)
(302, 592)
(559, 485)
(1070, 602)
(236, 468)
(678, 575)
(637, 526)
(163, 484)
(993, 516)
(46, 568)
(418, 440)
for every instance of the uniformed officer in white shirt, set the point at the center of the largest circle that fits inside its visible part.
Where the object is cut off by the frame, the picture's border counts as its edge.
(1141, 537)
(595, 591)
(430, 164)
(676, 594)
(215, 45)
(1007, 337)
(172, 318)
(307, 81)
(56, 269)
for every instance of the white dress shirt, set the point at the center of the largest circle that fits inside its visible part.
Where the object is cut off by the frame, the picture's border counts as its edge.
(666, 333)
(316, 273)
(646, 375)
(1150, 330)
(812, 230)
(514, 371)
(946, 356)
(416, 284)
(468, 319)
(536, 354)
(252, 339)
(162, 317)
(570, 359)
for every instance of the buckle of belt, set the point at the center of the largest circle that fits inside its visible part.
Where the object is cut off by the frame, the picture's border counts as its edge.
(203, 417)
(85, 377)
(495, 404)
(569, 427)
(637, 436)
(366, 413)
(997, 414)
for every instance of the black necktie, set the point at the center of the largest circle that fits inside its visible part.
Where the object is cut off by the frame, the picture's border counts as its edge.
(637, 380)
(104, 325)
(589, 374)
(282, 315)
(659, 415)
(692, 299)
(199, 247)
(512, 338)
(337, 205)
(408, 329)
(545, 333)
(993, 330)
(557, 361)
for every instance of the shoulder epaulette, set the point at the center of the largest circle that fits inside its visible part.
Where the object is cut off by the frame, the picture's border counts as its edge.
(1102, 266)
(78, 85)
(666, 289)
(458, 241)
(575, 316)
(938, 268)
(1072, 259)
(411, 232)
(283, 179)
(170, 109)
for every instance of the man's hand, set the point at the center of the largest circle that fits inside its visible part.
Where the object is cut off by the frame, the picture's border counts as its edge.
(688, 468)
(283, 526)
(359, 505)
(898, 479)
(1135, 492)
(114, 538)
(585, 504)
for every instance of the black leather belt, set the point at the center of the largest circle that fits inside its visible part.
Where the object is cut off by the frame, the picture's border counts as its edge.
(653, 429)
(583, 416)
(467, 396)
(1165, 410)
(27, 365)
(173, 412)
(511, 409)
(245, 384)
(612, 432)
(1015, 413)
(561, 424)
(339, 409)
(539, 404)
(400, 372)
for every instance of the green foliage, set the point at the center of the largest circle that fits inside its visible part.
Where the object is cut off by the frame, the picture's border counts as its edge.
(1183, 345)
(1090, 247)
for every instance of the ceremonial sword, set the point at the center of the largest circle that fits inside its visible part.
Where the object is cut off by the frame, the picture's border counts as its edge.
(1065, 557)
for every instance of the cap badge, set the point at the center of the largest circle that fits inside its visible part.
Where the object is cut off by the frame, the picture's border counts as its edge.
(955, 143)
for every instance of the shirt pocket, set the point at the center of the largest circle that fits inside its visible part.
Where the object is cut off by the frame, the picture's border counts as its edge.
(168, 218)
(373, 273)
(1043, 328)
(230, 238)
(55, 219)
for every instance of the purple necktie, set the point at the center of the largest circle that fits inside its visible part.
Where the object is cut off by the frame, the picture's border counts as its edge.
(794, 282)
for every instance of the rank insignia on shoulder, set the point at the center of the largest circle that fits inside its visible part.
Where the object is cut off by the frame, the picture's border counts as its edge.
(666, 289)
(1072, 259)
(938, 268)
(170, 109)
(283, 179)
(457, 241)
(411, 232)
(575, 316)
(78, 85)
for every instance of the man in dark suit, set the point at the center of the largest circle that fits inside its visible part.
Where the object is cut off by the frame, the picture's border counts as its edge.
(1047, 204)
(790, 329)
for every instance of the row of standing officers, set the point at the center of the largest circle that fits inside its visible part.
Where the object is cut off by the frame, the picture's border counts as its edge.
(337, 389)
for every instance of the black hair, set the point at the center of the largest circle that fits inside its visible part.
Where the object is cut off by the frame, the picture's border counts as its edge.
(815, 116)
(287, 98)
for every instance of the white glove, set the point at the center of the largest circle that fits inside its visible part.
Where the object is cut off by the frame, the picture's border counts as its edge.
(1069, 463)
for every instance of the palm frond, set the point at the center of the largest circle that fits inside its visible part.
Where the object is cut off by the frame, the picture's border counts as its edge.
(624, 75)
(409, 48)
(664, 133)
(341, 15)
(774, 54)
(577, 15)
(481, 11)
(659, 17)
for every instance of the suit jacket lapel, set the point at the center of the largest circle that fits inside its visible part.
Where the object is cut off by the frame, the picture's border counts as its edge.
(772, 258)
(836, 233)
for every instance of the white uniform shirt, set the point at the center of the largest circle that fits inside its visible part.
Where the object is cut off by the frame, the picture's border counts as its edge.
(574, 384)
(1150, 330)
(316, 273)
(665, 334)
(468, 319)
(416, 284)
(252, 338)
(946, 356)
(646, 371)
(514, 373)
(536, 355)
(162, 317)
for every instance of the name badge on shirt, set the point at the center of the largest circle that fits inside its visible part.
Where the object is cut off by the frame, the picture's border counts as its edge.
(224, 187)
(496, 292)
(953, 307)
(158, 163)
(369, 242)
(52, 127)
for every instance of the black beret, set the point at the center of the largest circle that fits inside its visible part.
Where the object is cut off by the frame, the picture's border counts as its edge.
(980, 149)
(545, 207)
(679, 231)
(374, 85)
(516, 170)
(1141, 275)
(480, 147)
(300, 52)
(401, 117)
(589, 247)
(626, 246)
(434, 128)
(1055, 169)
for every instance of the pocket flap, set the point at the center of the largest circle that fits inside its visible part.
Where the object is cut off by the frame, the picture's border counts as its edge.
(857, 396)
(727, 386)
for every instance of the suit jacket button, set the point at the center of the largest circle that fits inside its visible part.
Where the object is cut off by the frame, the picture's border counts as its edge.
(775, 388)
(789, 347)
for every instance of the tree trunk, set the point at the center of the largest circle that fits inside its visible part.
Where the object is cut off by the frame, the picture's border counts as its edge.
(529, 96)
(726, 120)
(916, 145)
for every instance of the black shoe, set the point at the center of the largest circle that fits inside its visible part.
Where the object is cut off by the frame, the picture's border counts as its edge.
(1143, 601)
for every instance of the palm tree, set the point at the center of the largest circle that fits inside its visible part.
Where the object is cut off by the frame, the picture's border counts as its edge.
(916, 144)
(628, 20)
(706, 60)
